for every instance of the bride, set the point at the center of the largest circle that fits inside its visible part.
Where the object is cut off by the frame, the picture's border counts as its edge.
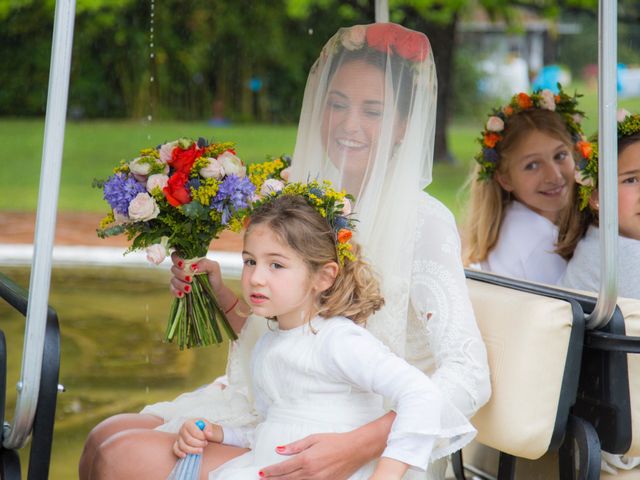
(367, 124)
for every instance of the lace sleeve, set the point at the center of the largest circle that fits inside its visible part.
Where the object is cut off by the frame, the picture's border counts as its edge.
(443, 311)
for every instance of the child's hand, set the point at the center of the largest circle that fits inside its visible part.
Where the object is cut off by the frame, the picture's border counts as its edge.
(194, 436)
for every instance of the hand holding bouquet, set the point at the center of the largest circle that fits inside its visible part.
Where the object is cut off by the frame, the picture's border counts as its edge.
(180, 196)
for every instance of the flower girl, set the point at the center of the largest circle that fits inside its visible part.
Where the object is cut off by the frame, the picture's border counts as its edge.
(317, 370)
(583, 271)
(522, 186)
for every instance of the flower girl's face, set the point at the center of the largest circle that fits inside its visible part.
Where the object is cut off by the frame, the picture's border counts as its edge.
(629, 191)
(352, 119)
(540, 174)
(276, 281)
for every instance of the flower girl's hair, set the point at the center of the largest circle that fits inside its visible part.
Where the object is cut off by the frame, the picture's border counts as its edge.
(487, 199)
(587, 178)
(355, 293)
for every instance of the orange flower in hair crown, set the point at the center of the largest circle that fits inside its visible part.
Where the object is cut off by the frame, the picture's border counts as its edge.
(387, 38)
(498, 122)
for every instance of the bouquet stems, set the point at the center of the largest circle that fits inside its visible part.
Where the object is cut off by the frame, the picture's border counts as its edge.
(196, 319)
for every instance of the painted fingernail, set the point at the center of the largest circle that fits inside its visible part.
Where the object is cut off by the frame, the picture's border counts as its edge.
(187, 278)
(187, 288)
(194, 267)
(261, 474)
(180, 264)
(279, 449)
(180, 294)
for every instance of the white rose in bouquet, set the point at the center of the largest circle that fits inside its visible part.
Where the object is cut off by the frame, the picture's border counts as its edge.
(166, 150)
(232, 165)
(143, 207)
(155, 181)
(156, 253)
(213, 170)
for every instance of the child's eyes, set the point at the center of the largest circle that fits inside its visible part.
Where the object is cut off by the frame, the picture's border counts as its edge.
(531, 166)
(631, 180)
(562, 155)
(249, 262)
(373, 113)
(276, 265)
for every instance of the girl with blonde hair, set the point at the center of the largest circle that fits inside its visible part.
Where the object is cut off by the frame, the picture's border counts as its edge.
(522, 186)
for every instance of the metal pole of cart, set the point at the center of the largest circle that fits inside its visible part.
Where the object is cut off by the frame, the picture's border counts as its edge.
(16, 434)
(382, 11)
(608, 167)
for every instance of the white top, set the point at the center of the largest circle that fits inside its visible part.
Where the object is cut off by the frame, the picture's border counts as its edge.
(525, 247)
(583, 271)
(337, 373)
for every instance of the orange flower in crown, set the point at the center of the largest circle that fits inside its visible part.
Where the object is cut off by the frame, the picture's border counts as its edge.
(524, 101)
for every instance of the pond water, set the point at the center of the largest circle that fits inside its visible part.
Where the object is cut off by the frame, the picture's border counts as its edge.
(113, 360)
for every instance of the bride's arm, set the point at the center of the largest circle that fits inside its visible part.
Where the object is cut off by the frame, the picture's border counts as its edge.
(440, 298)
(332, 455)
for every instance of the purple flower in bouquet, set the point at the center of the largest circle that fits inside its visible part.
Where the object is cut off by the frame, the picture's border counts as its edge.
(120, 190)
(234, 194)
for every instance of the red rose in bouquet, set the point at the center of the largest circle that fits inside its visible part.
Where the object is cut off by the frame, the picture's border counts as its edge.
(176, 191)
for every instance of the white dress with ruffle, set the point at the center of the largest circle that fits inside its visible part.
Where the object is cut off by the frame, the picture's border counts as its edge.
(332, 376)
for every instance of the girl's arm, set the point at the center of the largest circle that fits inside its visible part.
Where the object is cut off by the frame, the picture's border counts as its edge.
(389, 469)
(180, 284)
(332, 455)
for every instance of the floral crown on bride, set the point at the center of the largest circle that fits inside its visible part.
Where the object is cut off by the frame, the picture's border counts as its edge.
(387, 38)
(498, 122)
(587, 168)
(331, 204)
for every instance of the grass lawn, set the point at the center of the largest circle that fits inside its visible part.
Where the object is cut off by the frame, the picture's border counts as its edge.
(93, 148)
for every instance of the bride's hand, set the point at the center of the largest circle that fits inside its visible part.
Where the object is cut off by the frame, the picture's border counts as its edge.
(181, 278)
(324, 456)
(332, 456)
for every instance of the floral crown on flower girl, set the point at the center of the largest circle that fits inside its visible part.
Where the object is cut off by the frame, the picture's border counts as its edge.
(498, 122)
(331, 204)
(587, 168)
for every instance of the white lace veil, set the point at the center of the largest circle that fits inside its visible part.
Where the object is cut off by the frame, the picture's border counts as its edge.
(367, 124)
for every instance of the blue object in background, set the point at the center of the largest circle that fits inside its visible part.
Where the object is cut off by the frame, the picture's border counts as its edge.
(188, 468)
(548, 77)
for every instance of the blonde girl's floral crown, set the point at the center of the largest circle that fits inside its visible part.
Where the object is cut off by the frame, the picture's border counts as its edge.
(587, 168)
(498, 121)
(334, 206)
(385, 37)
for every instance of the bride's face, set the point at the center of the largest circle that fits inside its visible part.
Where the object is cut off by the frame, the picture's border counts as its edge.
(352, 119)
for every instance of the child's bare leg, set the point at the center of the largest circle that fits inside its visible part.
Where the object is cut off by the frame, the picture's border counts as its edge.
(147, 455)
(108, 428)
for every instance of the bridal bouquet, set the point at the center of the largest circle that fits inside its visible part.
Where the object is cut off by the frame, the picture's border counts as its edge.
(180, 196)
